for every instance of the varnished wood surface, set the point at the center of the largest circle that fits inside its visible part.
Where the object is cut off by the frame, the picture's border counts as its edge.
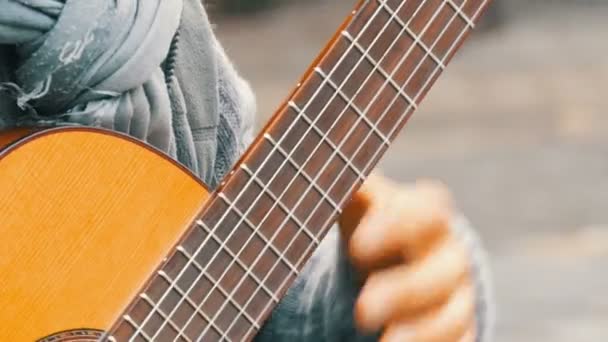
(85, 219)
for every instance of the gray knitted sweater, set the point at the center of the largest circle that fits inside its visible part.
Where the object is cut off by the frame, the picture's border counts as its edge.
(153, 69)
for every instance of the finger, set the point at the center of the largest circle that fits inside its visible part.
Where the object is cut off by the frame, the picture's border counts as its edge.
(412, 222)
(356, 208)
(452, 322)
(409, 290)
(373, 193)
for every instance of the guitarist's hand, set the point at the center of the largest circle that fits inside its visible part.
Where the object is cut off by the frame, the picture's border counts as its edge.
(417, 286)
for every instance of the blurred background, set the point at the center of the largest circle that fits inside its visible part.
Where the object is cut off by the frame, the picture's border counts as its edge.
(516, 127)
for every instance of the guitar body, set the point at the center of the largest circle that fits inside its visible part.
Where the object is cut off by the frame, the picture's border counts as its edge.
(75, 205)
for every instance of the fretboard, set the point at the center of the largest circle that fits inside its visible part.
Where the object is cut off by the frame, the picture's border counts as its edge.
(263, 223)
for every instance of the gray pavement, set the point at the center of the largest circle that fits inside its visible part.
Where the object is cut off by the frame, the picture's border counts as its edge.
(516, 127)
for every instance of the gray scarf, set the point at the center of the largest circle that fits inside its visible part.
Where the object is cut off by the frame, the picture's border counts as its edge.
(94, 62)
(114, 64)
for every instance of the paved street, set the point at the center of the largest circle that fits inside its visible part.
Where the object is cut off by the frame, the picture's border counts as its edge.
(516, 127)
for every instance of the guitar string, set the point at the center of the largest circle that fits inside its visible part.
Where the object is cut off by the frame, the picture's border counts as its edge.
(446, 27)
(425, 86)
(405, 116)
(243, 216)
(456, 14)
(260, 254)
(139, 329)
(450, 21)
(310, 155)
(324, 138)
(440, 7)
(313, 211)
(379, 151)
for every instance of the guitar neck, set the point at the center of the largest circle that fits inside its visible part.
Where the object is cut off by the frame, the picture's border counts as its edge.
(260, 227)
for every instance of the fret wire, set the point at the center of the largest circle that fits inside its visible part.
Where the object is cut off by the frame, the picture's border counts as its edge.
(376, 66)
(203, 270)
(313, 96)
(426, 84)
(354, 126)
(461, 14)
(197, 308)
(389, 77)
(337, 150)
(318, 90)
(455, 43)
(358, 111)
(308, 178)
(293, 239)
(257, 234)
(275, 199)
(346, 79)
(428, 80)
(221, 289)
(211, 279)
(417, 37)
(439, 63)
(384, 73)
(276, 232)
(243, 217)
(262, 282)
(107, 338)
(281, 257)
(238, 261)
(147, 298)
(139, 331)
(292, 181)
(437, 69)
(199, 249)
(173, 286)
(331, 144)
(203, 273)
(291, 126)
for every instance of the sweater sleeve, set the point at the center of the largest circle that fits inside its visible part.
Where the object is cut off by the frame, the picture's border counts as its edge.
(319, 306)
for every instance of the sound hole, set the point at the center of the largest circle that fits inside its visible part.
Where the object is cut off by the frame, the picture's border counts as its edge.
(76, 335)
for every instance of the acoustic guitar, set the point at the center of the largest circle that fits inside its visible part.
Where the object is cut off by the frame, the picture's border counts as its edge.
(105, 239)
